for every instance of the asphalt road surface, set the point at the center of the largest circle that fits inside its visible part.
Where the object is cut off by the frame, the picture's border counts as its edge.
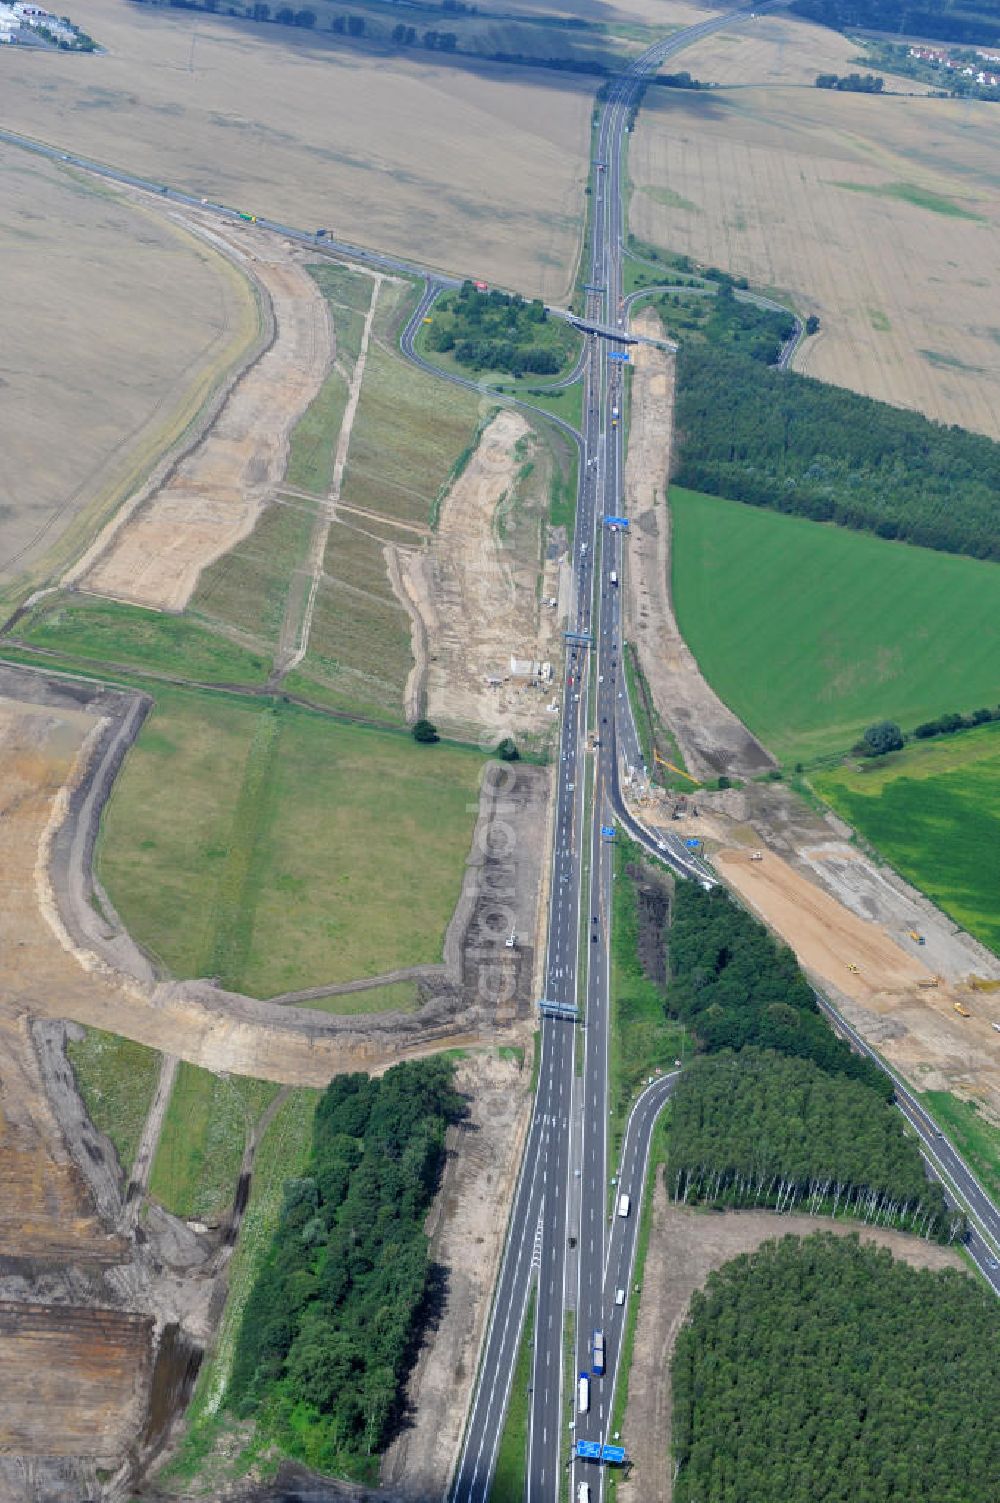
(564, 1232)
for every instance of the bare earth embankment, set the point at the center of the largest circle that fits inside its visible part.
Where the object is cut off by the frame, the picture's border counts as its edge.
(116, 325)
(155, 551)
(709, 735)
(476, 588)
(685, 1246)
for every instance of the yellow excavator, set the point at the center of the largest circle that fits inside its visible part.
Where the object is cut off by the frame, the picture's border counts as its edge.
(679, 770)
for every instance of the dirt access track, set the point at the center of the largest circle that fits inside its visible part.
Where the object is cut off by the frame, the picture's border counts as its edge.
(709, 735)
(476, 591)
(685, 1246)
(199, 506)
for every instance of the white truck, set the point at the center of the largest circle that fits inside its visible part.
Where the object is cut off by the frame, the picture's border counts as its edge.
(624, 1205)
(583, 1394)
(614, 576)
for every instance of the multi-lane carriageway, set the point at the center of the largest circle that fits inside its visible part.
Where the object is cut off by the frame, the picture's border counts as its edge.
(563, 1190)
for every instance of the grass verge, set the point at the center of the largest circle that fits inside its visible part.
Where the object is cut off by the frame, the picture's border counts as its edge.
(281, 1155)
(512, 1457)
(204, 1134)
(117, 1080)
(977, 1140)
(642, 1038)
(100, 632)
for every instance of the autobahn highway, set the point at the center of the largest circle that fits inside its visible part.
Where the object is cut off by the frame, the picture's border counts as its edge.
(563, 1193)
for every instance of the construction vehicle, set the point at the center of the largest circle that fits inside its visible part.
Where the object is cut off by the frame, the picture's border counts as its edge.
(679, 770)
(852, 967)
(962, 1010)
(917, 938)
(757, 856)
(930, 981)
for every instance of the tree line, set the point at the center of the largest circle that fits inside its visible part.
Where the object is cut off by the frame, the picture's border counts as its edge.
(851, 83)
(820, 1369)
(976, 22)
(794, 444)
(758, 1129)
(337, 1311)
(723, 319)
(498, 331)
(733, 985)
(886, 736)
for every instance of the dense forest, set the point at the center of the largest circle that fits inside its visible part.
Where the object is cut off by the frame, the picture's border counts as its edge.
(733, 985)
(759, 1129)
(973, 21)
(721, 318)
(333, 1321)
(500, 331)
(820, 1369)
(789, 442)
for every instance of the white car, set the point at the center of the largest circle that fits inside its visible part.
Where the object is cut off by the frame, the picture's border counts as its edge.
(619, 1296)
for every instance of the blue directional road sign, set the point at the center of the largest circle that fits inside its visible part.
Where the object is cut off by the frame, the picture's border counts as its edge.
(621, 522)
(589, 1450)
(618, 355)
(608, 832)
(692, 845)
(614, 1455)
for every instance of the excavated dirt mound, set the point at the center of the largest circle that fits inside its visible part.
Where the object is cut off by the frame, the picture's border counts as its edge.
(212, 498)
(710, 736)
(75, 1380)
(476, 592)
(916, 1027)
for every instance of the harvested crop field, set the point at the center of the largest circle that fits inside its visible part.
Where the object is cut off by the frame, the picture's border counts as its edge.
(879, 215)
(212, 499)
(685, 1246)
(115, 325)
(777, 49)
(478, 172)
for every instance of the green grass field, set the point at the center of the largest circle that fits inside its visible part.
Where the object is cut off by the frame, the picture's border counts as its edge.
(912, 193)
(101, 632)
(117, 1080)
(977, 1140)
(809, 633)
(205, 1130)
(642, 1037)
(281, 1155)
(246, 590)
(398, 996)
(933, 811)
(277, 850)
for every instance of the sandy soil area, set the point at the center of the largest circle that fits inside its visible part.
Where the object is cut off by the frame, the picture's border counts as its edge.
(476, 591)
(115, 325)
(153, 554)
(916, 1027)
(478, 171)
(466, 1225)
(709, 735)
(880, 215)
(684, 1248)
